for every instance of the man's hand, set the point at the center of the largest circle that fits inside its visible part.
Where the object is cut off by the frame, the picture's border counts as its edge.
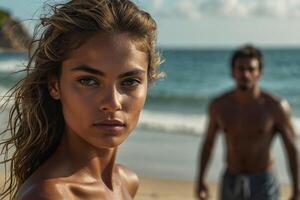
(202, 192)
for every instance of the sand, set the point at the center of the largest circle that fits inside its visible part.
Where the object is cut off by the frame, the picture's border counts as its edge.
(158, 189)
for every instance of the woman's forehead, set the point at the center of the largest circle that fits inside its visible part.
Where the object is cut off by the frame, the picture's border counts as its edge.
(103, 51)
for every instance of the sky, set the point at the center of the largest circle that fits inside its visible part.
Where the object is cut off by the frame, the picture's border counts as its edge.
(207, 23)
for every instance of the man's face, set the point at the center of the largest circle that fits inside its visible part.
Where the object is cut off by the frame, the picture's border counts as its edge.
(102, 89)
(246, 72)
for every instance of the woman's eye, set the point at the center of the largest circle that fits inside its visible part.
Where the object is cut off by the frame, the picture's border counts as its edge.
(87, 82)
(131, 83)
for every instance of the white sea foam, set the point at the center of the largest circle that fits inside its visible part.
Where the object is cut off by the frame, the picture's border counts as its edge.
(172, 122)
(182, 123)
(12, 65)
(3, 90)
(296, 123)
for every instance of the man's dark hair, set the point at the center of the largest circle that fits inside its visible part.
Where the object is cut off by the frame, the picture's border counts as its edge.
(247, 51)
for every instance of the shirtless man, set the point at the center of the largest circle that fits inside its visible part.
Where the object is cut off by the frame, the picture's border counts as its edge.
(250, 119)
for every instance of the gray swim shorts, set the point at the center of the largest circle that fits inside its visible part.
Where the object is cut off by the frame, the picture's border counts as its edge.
(260, 186)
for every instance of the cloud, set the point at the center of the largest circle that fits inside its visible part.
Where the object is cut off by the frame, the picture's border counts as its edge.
(278, 8)
(157, 4)
(187, 9)
(194, 9)
(225, 8)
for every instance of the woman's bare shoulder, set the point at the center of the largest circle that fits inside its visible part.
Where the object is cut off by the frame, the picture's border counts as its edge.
(129, 179)
(42, 190)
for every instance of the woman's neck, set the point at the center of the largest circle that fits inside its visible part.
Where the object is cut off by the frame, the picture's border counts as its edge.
(87, 161)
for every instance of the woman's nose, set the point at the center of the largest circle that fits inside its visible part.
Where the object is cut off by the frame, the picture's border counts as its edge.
(110, 100)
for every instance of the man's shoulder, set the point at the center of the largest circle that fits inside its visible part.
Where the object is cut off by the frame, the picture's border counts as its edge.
(275, 101)
(221, 99)
(279, 106)
(42, 190)
(270, 97)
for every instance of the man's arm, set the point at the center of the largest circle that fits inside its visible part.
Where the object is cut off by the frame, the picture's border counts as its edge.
(286, 130)
(208, 143)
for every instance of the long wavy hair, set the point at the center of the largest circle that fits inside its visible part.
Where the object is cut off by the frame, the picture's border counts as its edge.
(36, 123)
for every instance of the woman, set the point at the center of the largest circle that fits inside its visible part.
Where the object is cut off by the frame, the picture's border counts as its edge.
(85, 86)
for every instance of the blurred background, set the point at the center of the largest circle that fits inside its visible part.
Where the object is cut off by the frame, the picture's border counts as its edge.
(196, 39)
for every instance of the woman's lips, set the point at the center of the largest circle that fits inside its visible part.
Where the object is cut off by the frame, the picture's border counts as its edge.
(111, 125)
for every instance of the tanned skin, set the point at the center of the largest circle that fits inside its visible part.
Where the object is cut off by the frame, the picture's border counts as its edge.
(102, 89)
(249, 119)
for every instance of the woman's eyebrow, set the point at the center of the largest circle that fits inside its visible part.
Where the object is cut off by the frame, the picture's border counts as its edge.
(91, 70)
(88, 69)
(135, 72)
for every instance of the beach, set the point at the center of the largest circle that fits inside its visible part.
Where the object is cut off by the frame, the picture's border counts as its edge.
(158, 189)
(164, 149)
(175, 157)
(167, 165)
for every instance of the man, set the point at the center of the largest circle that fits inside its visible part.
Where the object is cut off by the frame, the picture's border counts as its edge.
(249, 119)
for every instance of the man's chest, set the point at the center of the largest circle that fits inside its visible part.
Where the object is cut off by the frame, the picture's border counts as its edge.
(247, 120)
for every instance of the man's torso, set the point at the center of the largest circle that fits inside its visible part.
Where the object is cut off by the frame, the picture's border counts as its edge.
(248, 130)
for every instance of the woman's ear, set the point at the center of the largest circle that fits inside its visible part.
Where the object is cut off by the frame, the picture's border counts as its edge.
(53, 87)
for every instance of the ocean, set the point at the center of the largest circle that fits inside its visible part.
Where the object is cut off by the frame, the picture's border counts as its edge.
(167, 139)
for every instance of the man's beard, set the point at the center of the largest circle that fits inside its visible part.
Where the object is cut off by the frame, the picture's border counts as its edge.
(244, 84)
(244, 87)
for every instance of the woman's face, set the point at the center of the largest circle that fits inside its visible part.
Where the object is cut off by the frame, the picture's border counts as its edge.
(102, 89)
